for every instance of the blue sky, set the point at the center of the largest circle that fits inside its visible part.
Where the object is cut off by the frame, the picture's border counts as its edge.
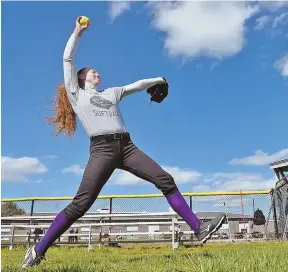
(225, 118)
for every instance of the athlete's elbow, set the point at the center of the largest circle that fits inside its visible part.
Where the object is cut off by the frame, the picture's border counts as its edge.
(67, 58)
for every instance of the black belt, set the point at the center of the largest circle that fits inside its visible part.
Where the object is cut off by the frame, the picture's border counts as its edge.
(113, 136)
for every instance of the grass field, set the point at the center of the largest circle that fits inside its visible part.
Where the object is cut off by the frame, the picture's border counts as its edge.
(248, 257)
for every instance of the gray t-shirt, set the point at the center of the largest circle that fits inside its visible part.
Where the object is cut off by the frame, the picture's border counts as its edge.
(98, 111)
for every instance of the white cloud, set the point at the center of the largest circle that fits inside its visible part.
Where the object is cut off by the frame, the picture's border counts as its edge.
(281, 20)
(192, 29)
(240, 181)
(220, 181)
(272, 6)
(117, 8)
(19, 169)
(261, 22)
(122, 177)
(201, 188)
(181, 176)
(75, 169)
(261, 158)
(282, 65)
(198, 182)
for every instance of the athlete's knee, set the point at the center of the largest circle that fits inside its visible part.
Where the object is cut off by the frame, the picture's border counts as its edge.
(73, 212)
(168, 185)
(77, 208)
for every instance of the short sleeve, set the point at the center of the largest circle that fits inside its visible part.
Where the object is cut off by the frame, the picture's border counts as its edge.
(118, 92)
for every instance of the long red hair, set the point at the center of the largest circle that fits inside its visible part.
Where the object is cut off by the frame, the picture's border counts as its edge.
(65, 119)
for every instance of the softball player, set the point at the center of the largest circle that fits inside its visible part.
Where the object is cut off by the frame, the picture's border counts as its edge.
(111, 147)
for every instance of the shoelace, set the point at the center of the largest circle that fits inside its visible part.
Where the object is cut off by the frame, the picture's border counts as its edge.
(203, 220)
(38, 259)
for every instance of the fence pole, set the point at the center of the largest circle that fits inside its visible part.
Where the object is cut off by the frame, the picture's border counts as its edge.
(191, 206)
(230, 236)
(100, 234)
(173, 232)
(12, 238)
(32, 207)
(243, 214)
(110, 211)
(176, 245)
(110, 207)
(89, 238)
(268, 216)
(275, 217)
(174, 241)
(31, 214)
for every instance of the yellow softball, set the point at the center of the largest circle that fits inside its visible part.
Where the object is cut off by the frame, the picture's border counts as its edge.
(84, 21)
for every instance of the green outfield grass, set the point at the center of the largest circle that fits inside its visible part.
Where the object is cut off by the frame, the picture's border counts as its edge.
(248, 257)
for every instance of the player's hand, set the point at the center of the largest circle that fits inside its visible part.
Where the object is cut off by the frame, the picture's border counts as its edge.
(79, 29)
(78, 25)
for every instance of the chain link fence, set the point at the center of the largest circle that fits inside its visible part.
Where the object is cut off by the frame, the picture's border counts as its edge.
(238, 206)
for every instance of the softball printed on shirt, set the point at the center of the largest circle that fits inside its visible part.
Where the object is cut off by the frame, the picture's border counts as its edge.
(103, 103)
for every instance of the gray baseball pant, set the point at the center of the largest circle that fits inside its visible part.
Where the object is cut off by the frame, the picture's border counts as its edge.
(106, 155)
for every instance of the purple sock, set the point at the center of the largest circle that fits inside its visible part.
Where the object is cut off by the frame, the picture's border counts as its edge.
(180, 206)
(60, 224)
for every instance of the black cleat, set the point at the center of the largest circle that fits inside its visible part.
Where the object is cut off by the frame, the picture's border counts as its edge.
(208, 228)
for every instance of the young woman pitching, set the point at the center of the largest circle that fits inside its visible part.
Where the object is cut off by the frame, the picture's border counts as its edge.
(110, 148)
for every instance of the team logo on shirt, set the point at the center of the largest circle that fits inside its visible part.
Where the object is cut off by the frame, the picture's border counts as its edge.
(101, 102)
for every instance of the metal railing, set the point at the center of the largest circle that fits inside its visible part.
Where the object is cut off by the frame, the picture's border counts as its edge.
(175, 235)
(172, 221)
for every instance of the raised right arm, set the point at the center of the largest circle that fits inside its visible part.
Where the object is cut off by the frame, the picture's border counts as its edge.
(70, 73)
